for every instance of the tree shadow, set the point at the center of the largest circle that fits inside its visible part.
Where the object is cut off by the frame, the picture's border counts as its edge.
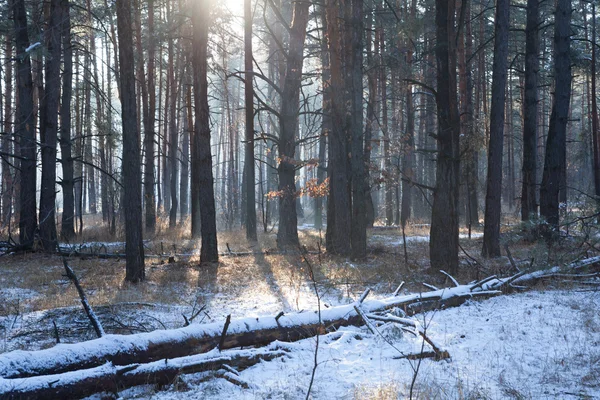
(266, 267)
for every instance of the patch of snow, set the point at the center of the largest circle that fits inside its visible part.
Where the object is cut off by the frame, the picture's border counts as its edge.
(17, 294)
(397, 240)
(33, 46)
(531, 345)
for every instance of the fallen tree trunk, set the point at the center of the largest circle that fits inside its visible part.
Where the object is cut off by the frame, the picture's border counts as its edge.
(110, 378)
(122, 350)
(194, 339)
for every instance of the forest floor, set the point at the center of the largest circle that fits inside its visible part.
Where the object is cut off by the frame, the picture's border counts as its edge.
(543, 343)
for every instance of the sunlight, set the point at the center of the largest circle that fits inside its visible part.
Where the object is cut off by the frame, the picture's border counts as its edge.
(235, 6)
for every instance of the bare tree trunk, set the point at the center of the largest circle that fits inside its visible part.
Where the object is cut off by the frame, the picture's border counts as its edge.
(371, 123)
(443, 246)
(408, 156)
(472, 158)
(249, 145)
(339, 201)
(149, 136)
(556, 141)
(49, 129)
(174, 142)
(184, 188)
(354, 60)
(491, 230)
(132, 207)
(287, 234)
(7, 170)
(595, 127)
(389, 187)
(203, 198)
(68, 225)
(78, 150)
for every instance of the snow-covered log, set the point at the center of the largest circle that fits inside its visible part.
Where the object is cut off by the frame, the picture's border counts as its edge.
(111, 378)
(572, 270)
(195, 339)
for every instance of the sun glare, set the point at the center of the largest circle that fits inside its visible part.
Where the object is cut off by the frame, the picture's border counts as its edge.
(235, 6)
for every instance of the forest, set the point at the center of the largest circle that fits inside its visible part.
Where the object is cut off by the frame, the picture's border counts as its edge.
(299, 199)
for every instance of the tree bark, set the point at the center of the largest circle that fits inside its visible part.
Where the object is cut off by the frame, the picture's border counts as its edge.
(339, 204)
(49, 129)
(493, 205)
(68, 222)
(174, 141)
(250, 221)
(287, 234)
(443, 246)
(595, 122)
(8, 191)
(132, 197)
(203, 198)
(184, 188)
(354, 43)
(555, 156)
(149, 136)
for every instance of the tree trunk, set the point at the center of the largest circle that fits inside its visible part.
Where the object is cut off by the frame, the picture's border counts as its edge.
(326, 118)
(250, 221)
(556, 141)
(203, 198)
(371, 123)
(68, 223)
(493, 206)
(389, 187)
(8, 191)
(287, 234)
(149, 136)
(339, 201)
(49, 129)
(443, 246)
(184, 188)
(174, 142)
(472, 158)
(132, 197)
(595, 127)
(354, 43)
(408, 157)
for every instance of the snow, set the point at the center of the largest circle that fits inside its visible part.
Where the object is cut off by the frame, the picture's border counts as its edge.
(33, 46)
(19, 361)
(535, 345)
(396, 241)
(531, 345)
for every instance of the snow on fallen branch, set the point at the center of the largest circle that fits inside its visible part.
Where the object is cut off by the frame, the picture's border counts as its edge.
(194, 339)
(111, 378)
(572, 270)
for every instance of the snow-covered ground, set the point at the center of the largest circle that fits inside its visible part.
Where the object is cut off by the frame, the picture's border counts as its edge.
(396, 241)
(534, 345)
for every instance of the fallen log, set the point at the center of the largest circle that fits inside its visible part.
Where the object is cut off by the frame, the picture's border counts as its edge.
(194, 339)
(110, 378)
(531, 278)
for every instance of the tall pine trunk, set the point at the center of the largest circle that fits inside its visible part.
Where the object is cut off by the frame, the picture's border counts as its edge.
(132, 196)
(49, 129)
(149, 136)
(443, 246)
(287, 234)
(203, 197)
(250, 221)
(493, 205)
(67, 231)
(555, 157)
